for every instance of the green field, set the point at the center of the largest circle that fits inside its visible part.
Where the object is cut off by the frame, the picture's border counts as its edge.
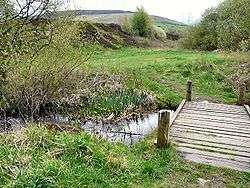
(164, 73)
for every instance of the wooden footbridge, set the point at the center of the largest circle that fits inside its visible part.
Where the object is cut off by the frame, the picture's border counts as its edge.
(209, 133)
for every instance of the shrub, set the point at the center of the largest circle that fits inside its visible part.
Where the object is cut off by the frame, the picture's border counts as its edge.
(30, 87)
(33, 83)
(142, 23)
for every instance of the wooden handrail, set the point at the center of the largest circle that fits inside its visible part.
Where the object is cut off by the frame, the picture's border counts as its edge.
(242, 94)
(189, 91)
(247, 109)
(177, 112)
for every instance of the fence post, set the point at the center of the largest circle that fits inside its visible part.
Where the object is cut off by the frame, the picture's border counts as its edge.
(242, 94)
(163, 129)
(189, 91)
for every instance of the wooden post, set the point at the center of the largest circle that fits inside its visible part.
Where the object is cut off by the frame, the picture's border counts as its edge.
(163, 129)
(189, 91)
(242, 94)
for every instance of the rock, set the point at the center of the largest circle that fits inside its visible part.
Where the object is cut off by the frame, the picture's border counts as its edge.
(204, 183)
(108, 119)
(172, 35)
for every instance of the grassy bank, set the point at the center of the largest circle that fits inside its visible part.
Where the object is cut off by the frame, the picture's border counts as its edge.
(37, 157)
(119, 81)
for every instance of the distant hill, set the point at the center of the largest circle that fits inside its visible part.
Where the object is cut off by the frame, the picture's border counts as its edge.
(116, 16)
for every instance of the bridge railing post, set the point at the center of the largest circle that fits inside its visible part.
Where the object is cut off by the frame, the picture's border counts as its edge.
(163, 129)
(242, 94)
(189, 91)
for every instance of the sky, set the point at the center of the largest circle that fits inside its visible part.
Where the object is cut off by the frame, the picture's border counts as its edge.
(187, 11)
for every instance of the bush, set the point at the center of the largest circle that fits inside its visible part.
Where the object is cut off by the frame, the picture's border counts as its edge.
(244, 45)
(32, 87)
(142, 23)
(33, 83)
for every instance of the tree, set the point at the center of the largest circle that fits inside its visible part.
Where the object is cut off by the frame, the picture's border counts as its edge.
(24, 29)
(203, 36)
(24, 26)
(226, 27)
(234, 24)
(142, 23)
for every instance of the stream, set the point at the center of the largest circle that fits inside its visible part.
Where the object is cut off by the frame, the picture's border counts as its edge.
(126, 131)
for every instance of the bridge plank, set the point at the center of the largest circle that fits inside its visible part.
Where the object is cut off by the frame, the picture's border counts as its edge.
(216, 161)
(199, 135)
(217, 155)
(219, 111)
(212, 109)
(235, 132)
(210, 138)
(215, 149)
(217, 114)
(215, 105)
(214, 134)
(225, 126)
(215, 121)
(211, 144)
(207, 117)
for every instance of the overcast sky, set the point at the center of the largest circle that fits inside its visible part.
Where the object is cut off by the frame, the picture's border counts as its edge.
(180, 10)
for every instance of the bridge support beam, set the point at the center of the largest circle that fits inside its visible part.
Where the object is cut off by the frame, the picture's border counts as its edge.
(163, 140)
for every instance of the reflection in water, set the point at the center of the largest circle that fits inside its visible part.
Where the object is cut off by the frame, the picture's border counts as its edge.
(127, 132)
(11, 124)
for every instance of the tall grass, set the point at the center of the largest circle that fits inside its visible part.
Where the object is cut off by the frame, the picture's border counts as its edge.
(38, 157)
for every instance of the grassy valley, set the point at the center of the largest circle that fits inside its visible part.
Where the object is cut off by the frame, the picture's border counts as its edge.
(105, 72)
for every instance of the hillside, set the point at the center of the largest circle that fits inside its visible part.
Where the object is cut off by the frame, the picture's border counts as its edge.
(116, 16)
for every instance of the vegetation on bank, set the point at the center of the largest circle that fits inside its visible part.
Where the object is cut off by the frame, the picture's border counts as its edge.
(75, 75)
(38, 157)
